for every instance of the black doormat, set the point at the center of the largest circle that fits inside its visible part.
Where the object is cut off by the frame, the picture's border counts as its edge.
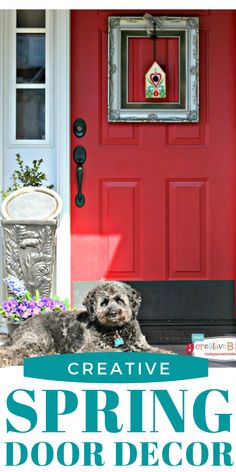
(181, 333)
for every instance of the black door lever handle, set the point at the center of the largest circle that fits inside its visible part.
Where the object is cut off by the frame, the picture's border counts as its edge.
(80, 198)
(79, 155)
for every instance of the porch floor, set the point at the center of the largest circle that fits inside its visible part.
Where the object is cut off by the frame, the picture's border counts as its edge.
(176, 348)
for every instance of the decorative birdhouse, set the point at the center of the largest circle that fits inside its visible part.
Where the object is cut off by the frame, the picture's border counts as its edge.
(155, 82)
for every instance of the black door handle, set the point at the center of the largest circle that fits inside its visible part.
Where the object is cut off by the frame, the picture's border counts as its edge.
(80, 198)
(79, 155)
(80, 158)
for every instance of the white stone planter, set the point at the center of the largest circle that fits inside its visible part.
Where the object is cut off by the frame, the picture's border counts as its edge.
(29, 253)
(29, 236)
(12, 326)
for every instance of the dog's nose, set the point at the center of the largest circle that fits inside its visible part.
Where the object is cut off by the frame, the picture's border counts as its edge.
(113, 312)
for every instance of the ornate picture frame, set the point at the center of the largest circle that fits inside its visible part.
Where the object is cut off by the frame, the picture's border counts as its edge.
(186, 30)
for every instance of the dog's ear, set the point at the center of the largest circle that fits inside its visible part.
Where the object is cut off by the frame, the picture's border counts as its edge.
(83, 317)
(135, 300)
(89, 303)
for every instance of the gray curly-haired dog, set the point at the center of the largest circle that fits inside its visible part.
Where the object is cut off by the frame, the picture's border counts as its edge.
(109, 323)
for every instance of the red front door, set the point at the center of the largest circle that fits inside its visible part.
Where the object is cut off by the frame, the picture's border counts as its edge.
(159, 198)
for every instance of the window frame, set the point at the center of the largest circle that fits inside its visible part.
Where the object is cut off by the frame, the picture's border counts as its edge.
(47, 85)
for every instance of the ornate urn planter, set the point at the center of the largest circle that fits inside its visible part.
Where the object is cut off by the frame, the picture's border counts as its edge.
(29, 236)
(29, 253)
(12, 326)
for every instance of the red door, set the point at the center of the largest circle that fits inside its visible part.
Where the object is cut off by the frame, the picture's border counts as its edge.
(159, 198)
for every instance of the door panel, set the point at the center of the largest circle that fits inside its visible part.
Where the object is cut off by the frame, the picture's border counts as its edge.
(121, 245)
(160, 198)
(187, 229)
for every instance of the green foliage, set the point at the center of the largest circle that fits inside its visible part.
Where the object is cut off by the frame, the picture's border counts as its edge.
(37, 295)
(28, 296)
(66, 302)
(25, 176)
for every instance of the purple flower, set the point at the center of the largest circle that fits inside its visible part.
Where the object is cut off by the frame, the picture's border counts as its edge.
(15, 286)
(43, 302)
(9, 305)
(48, 304)
(27, 314)
(36, 311)
(32, 304)
(59, 305)
(21, 307)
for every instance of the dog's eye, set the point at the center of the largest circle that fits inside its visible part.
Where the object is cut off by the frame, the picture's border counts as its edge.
(104, 302)
(120, 301)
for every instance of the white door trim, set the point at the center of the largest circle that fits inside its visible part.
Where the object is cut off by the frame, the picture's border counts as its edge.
(1, 133)
(62, 136)
(60, 145)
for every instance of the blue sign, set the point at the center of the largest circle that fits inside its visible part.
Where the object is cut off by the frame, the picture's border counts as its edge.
(197, 337)
(121, 367)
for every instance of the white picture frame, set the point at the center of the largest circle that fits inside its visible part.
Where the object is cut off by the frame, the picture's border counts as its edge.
(120, 29)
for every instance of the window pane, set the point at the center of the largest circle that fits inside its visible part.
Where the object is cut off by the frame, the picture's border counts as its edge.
(30, 52)
(30, 19)
(30, 114)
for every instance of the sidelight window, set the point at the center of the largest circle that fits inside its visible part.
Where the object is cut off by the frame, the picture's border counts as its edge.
(31, 73)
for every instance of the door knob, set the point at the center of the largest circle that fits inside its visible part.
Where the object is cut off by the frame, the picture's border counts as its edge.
(79, 155)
